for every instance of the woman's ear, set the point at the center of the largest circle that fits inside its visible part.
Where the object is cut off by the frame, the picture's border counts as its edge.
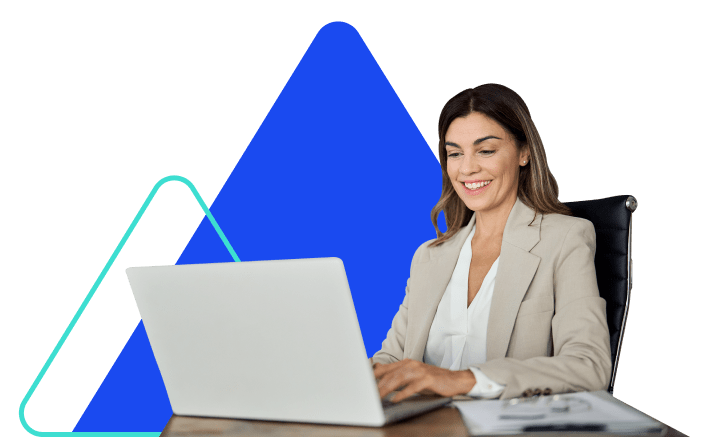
(524, 156)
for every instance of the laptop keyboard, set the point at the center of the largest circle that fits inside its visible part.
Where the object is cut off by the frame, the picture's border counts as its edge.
(410, 407)
(386, 403)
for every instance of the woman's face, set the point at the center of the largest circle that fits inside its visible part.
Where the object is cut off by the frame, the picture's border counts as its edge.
(483, 163)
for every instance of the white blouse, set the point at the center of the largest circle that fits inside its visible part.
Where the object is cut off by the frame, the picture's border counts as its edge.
(458, 335)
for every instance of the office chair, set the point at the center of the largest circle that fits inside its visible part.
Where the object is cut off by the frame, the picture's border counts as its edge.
(612, 218)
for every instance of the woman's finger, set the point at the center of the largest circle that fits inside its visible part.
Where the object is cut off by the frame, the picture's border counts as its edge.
(394, 380)
(418, 385)
(400, 377)
(382, 369)
(388, 384)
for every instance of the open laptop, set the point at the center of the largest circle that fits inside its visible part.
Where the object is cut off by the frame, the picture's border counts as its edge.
(264, 340)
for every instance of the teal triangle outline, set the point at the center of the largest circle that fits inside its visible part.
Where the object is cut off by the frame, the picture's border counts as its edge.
(97, 283)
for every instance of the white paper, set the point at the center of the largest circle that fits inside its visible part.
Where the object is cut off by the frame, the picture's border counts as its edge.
(510, 417)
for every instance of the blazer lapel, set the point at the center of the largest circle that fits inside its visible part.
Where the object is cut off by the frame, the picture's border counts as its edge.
(433, 282)
(515, 271)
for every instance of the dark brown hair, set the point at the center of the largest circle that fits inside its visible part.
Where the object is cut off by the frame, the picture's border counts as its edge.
(537, 186)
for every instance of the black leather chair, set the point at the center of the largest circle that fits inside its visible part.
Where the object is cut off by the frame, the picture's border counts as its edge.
(612, 218)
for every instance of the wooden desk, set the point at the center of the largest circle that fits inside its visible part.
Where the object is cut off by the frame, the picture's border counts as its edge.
(444, 422)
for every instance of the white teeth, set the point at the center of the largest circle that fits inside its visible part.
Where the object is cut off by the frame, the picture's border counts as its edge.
(476, 185)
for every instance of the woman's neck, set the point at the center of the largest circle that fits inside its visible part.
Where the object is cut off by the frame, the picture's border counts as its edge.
(490, 224)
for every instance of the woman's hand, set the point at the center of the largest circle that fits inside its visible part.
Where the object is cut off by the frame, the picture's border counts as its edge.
(418, 377)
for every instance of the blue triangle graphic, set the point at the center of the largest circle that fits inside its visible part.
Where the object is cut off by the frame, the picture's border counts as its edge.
(337, 168)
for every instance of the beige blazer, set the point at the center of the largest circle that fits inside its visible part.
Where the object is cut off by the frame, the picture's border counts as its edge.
(547, 327)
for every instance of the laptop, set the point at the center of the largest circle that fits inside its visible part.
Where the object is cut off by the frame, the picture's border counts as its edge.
(264, 340)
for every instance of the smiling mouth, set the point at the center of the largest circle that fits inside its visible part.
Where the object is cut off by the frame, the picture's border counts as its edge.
(477, 185)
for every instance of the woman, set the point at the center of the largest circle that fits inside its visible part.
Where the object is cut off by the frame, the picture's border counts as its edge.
(505, 302)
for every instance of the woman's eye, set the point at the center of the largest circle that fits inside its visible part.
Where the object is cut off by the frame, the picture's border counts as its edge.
(453, 154)
(487, 152)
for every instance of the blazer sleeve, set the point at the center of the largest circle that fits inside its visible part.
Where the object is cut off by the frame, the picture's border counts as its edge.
(582, 359)
(393, 346)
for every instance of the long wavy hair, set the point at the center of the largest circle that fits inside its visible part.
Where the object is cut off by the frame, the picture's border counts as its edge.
(537, 187)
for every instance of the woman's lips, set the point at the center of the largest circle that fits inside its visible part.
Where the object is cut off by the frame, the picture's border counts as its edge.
(477, 191)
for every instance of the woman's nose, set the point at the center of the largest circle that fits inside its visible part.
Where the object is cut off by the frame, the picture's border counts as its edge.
(469, 165)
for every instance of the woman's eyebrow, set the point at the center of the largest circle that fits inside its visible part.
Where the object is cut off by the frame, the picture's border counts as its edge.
(476, 142)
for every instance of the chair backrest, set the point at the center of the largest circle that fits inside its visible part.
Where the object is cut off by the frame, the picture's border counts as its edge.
(612, 218)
